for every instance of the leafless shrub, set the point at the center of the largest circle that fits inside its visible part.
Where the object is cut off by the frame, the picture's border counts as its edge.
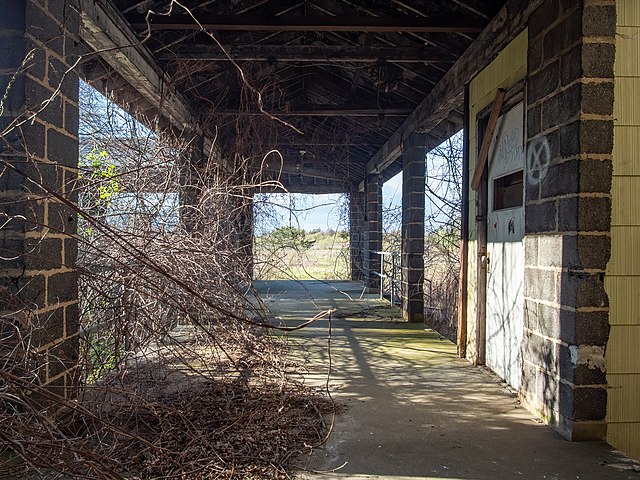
(442, 234)
(176, 373)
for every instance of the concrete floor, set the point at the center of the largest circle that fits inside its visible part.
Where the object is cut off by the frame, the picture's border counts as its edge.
(414, 410)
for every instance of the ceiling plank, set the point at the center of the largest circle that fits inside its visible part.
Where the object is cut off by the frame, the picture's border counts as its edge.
(356, 76)
(325, 111)
(311, 23)
(103, 30)
(311, 53)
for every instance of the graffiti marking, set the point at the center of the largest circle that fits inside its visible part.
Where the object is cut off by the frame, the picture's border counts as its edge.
(538, 159)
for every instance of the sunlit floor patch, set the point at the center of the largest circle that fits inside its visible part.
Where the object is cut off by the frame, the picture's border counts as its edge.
(413, 409)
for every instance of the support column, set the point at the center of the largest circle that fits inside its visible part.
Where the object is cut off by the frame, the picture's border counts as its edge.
(39, 314)
(190, 184)
(413, 194)
(372, 232)
(568, 215)
(356, 234)
(245, 234)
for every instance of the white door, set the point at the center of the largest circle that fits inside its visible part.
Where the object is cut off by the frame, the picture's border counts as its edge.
(505, 247)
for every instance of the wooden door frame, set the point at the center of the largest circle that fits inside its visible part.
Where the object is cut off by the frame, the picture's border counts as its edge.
(512, 97)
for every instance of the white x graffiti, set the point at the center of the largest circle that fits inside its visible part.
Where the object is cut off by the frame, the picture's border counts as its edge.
(538, 158)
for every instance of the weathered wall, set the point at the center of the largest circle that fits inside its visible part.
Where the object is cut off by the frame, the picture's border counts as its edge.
(415, 149)
(623, 271)
(569, 50)
(356, 233)
(567, 214)
(38, 281)
(505, 71)
(372, 232)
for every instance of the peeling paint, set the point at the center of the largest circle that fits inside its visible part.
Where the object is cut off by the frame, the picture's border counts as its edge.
(592, 357)
(575, 354)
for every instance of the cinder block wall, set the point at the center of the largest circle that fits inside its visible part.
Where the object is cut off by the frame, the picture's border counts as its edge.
(372, 232)
(38, 281)
(415, 149)
(356, 233)
(568, 214)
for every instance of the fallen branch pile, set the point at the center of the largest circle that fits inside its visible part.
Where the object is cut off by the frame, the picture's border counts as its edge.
(176, 372)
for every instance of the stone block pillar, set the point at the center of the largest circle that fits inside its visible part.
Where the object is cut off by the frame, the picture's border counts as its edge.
(190, 184)
(245, 234)
(356, 234)
(568, 214)
(372, 232)
(413, 197)
(38, 172)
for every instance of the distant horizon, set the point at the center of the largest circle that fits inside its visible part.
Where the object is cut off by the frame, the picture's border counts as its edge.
(319, 211)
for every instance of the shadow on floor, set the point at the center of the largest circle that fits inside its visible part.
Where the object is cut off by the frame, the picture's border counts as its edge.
(414, 410)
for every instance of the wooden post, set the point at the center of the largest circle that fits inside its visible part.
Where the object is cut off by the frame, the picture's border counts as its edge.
(464, 235)
(486, 140)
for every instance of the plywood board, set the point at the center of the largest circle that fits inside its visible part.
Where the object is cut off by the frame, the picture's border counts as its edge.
(624, 398)
(625, 245)
(625, 211)
(626, 150)
(622, 350)
(626, 437)
(624, 300)
(627, 112)
(628, 12)
(622, 280)
(628, 52)
(509, 67)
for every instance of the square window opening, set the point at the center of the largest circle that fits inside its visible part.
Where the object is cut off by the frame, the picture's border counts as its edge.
(508, 191)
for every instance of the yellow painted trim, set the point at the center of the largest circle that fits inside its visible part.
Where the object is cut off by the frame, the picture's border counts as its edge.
(622, 280)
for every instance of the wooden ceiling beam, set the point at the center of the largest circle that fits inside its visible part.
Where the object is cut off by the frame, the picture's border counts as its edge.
(307, 144)
(104, 31)
(307, 187)
(356, 76)
(337, 173)
(311, 53)
(447, 94)
(355, 8)
(311, 23)
(324, 111)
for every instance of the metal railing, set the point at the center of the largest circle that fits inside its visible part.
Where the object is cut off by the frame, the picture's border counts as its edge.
(390, 276)
(391, 280)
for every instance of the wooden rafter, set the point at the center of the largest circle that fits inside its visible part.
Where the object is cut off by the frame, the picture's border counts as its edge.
(312, 23)
(447, 94)
(417, 40)
(310, 53)
(326, 111)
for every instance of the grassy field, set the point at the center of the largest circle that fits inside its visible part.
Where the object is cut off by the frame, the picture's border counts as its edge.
(288, 253)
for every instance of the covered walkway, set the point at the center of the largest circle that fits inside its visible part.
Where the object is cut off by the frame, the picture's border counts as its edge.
(413, 409)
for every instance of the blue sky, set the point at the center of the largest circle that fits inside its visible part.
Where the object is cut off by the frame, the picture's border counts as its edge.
(312, 211)
(323, 211)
